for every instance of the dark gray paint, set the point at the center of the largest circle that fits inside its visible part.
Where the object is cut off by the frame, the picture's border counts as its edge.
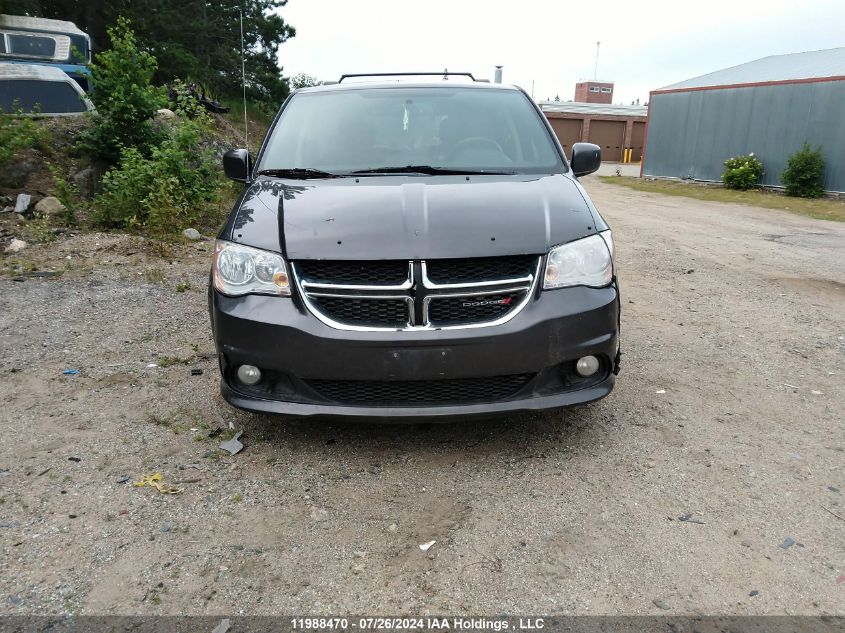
(398, 217)
(690, 134)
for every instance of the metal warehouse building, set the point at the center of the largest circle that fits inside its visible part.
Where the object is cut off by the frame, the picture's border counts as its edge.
(769, 107)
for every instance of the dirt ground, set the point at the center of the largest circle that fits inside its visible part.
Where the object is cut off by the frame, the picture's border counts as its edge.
(728, 411)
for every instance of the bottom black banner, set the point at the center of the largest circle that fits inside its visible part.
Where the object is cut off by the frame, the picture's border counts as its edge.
(524, 624)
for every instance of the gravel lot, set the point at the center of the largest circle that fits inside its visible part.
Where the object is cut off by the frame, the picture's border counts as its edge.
(729, 411)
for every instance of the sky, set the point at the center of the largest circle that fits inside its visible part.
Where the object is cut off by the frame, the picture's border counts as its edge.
(551, 44)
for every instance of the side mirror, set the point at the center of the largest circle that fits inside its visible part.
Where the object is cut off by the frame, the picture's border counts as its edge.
(236, 165)
(586, 158)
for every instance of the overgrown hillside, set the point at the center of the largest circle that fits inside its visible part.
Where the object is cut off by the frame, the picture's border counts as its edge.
(147, 162)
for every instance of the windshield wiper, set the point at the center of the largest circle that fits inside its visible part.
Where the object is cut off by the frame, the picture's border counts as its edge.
(300, 173)
(430, 170)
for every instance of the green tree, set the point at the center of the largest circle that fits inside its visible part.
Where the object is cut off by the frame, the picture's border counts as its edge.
(200, 40)
(125, 98)
(302, 80)
(197, 40)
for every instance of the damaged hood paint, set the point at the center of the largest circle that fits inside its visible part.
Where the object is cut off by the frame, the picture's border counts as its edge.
(409, 217)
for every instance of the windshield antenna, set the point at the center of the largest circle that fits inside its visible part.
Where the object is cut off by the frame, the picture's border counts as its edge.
(243, 80)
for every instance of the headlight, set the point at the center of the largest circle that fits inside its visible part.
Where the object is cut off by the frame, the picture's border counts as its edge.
(241, 270)
(585, 262)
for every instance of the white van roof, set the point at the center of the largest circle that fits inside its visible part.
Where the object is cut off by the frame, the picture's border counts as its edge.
(41, 72)
(39, 24)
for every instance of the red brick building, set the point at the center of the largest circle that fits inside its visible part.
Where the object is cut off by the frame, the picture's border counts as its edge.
(614, 128)
(594, 91)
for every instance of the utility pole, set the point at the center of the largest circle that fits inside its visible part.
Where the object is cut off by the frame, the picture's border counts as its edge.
(596, 71)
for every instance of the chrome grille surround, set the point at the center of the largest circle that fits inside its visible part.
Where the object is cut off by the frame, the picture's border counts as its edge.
(418, 295)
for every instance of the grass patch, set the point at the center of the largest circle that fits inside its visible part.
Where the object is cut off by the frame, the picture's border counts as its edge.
(157, 420)
(821, 209)
(155, 276)
(170, 361)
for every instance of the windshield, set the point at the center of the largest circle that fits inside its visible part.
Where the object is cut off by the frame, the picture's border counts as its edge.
(451, 128)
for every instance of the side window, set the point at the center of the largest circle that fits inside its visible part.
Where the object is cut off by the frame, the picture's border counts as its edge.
(594, 88)
(32, 45)
(605, 90)
(2, 43)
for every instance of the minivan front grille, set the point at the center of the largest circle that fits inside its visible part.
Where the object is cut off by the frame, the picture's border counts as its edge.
(455, 310)
(462, 271)
(420, 392)
(417, 294)
(372, 273)
(387, 313)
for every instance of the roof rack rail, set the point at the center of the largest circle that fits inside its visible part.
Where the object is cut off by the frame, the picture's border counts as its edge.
(444, 74)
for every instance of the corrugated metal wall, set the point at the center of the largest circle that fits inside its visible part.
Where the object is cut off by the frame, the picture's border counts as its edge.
(690, 134)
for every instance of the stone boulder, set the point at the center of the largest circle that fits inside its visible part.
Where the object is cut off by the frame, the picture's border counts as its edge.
(15, 174)
(22, 203)
(50, 206)
(15, 246)
(89, 181)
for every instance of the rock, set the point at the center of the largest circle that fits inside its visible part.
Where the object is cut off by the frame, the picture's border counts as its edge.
(392, 528)
(661, 604)
(16, 174)
(7, 209)
(50, 206)
(165, 113)
(22, 203)
(89, 181)
(318, 514)
(15, 246)
(219, 148)
(191, 234)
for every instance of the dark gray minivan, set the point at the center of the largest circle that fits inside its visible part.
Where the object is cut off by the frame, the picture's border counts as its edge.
(413, 250)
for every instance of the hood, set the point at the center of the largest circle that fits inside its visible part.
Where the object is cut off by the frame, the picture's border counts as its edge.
(399, 217)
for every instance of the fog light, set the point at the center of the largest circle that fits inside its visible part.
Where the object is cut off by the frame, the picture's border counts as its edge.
(587, 366)
(250, 375)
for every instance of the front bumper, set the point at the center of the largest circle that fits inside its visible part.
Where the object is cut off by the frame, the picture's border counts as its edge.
(285, 341)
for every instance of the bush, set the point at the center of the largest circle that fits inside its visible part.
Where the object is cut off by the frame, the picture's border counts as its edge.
(742, 172)
(17, 133)
(67, 194)
(804, 173)
(126, 100)
(177, 186)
